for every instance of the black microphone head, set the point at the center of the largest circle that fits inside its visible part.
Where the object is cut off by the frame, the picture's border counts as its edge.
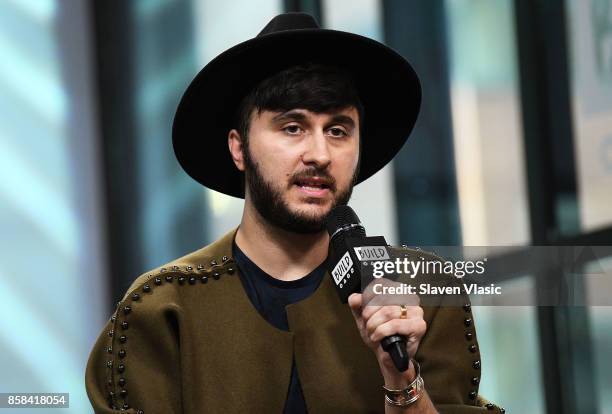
(342, 217)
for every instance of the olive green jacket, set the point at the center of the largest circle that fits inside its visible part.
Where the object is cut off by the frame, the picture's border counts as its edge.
(186, 339)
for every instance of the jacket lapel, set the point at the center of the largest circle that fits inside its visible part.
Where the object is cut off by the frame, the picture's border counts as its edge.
(338, 372)
(245, 362)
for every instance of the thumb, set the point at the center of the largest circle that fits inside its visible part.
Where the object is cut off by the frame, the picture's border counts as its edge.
(354, 301)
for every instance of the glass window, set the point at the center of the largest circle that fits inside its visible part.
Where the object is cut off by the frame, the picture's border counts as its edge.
(487, 123)
(170, 203)
(509, 346)
(598, 288)
(364, 19)
(51, 249)
(590, 43)
(601, 327)
(492, 190)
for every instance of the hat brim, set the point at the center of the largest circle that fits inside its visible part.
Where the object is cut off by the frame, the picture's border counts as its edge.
(387, 85)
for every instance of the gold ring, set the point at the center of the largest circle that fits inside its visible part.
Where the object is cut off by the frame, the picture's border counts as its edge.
(404, 314)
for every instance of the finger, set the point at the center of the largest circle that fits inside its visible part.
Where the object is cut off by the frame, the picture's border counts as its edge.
(384, 314)
(369, 310)
(354, 301)
(415, 328)
(387, 313)
(414, 312)
(383, 299)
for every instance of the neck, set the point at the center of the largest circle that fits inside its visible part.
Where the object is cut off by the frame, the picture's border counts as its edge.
(282, 254)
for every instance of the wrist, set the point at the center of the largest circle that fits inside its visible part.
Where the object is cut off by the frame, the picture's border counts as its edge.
(398, 394)
(395, 379)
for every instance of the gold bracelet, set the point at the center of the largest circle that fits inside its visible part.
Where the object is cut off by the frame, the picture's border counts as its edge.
(408, 395)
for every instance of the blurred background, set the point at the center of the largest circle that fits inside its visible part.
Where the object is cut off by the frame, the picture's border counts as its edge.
(513, 147)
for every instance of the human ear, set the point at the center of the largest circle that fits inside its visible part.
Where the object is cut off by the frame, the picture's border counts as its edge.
(236, 148)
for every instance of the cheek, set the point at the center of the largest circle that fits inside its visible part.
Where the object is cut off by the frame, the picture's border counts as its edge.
(347, 163)
(275, 165)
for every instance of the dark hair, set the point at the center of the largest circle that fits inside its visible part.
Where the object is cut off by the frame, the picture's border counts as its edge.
(316, 87)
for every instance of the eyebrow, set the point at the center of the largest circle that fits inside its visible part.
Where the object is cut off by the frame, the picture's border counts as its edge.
(343, 119)
(289, 115)
(294, 115)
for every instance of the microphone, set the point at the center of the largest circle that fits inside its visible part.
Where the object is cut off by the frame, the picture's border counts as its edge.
(348, 247)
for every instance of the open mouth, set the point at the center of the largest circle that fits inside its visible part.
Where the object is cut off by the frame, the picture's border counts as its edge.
(313, 185)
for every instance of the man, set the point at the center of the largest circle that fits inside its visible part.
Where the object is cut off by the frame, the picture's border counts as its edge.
(251, 323)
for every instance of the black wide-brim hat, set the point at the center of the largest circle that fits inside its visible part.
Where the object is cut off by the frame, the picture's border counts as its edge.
(387, 85)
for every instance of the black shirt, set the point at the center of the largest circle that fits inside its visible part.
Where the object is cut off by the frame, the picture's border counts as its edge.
(270, 296)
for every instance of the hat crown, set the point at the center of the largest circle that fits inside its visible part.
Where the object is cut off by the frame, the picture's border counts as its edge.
(289, 21)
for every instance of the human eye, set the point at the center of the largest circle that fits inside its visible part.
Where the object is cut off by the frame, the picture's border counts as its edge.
(337, 132)
(292, 129)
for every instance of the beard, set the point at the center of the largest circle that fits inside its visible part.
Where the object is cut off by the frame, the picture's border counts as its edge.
(269, 203)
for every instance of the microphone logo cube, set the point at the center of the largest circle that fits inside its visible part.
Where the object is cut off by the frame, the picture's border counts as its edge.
(342, 268)
(365, 253)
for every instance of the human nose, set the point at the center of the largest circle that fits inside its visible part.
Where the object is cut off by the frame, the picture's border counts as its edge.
(317, 151)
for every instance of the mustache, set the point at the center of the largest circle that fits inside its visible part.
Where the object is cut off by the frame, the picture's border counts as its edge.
(322, 175)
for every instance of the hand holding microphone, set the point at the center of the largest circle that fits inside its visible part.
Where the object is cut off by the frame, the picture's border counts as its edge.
(375, 323)
(393, 332)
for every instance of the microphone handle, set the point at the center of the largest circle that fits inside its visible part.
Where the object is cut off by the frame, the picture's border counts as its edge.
(395, 346)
